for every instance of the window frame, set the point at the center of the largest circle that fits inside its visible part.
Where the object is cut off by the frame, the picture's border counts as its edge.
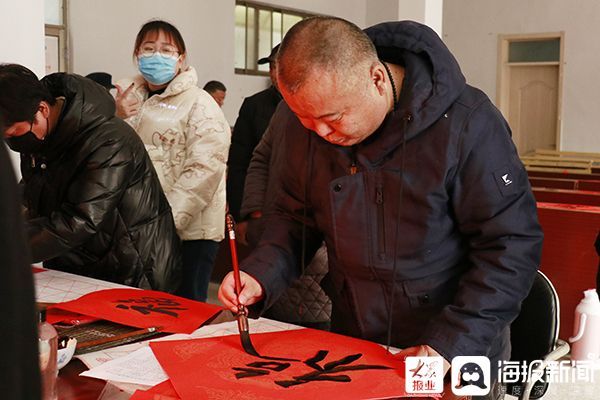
(60, 32)
(253, 69)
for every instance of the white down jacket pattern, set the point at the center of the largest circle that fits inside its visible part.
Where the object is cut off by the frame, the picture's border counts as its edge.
(187, 138)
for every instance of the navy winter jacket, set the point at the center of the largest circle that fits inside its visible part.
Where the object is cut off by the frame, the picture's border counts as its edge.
(439, 195)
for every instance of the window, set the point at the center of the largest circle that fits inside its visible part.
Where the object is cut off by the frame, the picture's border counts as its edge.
(56, 35)
(543, 50)
(258, 28)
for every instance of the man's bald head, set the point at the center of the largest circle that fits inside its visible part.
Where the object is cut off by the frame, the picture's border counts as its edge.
(323, 44)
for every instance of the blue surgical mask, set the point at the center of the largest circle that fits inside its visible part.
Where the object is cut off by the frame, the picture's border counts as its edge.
(157, 69)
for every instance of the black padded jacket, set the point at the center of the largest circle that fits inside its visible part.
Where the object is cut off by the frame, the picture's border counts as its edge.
(95, 204)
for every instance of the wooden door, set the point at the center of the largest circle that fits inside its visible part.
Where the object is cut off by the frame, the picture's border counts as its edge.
(533, 103)
(529, 88)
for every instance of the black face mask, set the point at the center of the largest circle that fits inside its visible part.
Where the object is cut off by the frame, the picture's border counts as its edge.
(27, 143)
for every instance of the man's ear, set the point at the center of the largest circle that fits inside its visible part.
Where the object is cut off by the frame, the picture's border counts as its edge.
(379, 77)
(44, 108)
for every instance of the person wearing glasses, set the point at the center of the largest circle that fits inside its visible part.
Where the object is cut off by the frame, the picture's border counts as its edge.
(187, 138)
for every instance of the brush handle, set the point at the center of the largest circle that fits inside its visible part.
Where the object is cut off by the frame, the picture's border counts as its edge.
(234, 258)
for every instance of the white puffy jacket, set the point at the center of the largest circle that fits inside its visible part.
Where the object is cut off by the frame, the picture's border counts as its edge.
(187, 138)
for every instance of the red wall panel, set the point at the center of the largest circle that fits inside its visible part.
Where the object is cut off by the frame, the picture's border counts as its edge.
(569, 258)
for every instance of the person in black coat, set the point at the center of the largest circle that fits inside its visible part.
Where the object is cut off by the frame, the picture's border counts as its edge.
(19, 364)
(254, 116)
(94, 203)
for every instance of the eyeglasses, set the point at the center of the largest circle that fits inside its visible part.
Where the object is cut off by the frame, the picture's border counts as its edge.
(167, 52)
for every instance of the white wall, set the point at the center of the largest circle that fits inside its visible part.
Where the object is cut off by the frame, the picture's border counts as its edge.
(102, 35)
(434, 15)
(22, 33)
(428, 12)
(471, 29)
(381, 11)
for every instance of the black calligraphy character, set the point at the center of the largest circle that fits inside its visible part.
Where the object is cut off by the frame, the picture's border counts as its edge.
(161, 301)
(329, 370)
(145, 310)
(255, 371)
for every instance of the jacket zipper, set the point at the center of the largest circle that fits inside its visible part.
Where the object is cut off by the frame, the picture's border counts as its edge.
(353, 166)
(380, 220)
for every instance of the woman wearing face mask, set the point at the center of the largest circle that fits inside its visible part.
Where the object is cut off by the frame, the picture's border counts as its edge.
(187, 138)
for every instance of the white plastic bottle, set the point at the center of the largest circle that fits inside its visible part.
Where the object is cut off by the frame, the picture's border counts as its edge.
(48, 347)
(585, 343)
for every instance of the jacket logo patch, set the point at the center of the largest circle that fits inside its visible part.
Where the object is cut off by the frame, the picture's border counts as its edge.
(506, 180)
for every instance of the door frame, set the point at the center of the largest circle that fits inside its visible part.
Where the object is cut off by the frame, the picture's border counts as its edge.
(504, 67)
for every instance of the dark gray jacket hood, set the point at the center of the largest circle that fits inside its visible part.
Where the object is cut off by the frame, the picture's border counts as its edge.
(433, 78)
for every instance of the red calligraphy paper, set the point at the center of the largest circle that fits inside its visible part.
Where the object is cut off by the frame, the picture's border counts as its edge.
(143, 309)
(162, 391)
(56, 315)
(218, 368)
(142, 395)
